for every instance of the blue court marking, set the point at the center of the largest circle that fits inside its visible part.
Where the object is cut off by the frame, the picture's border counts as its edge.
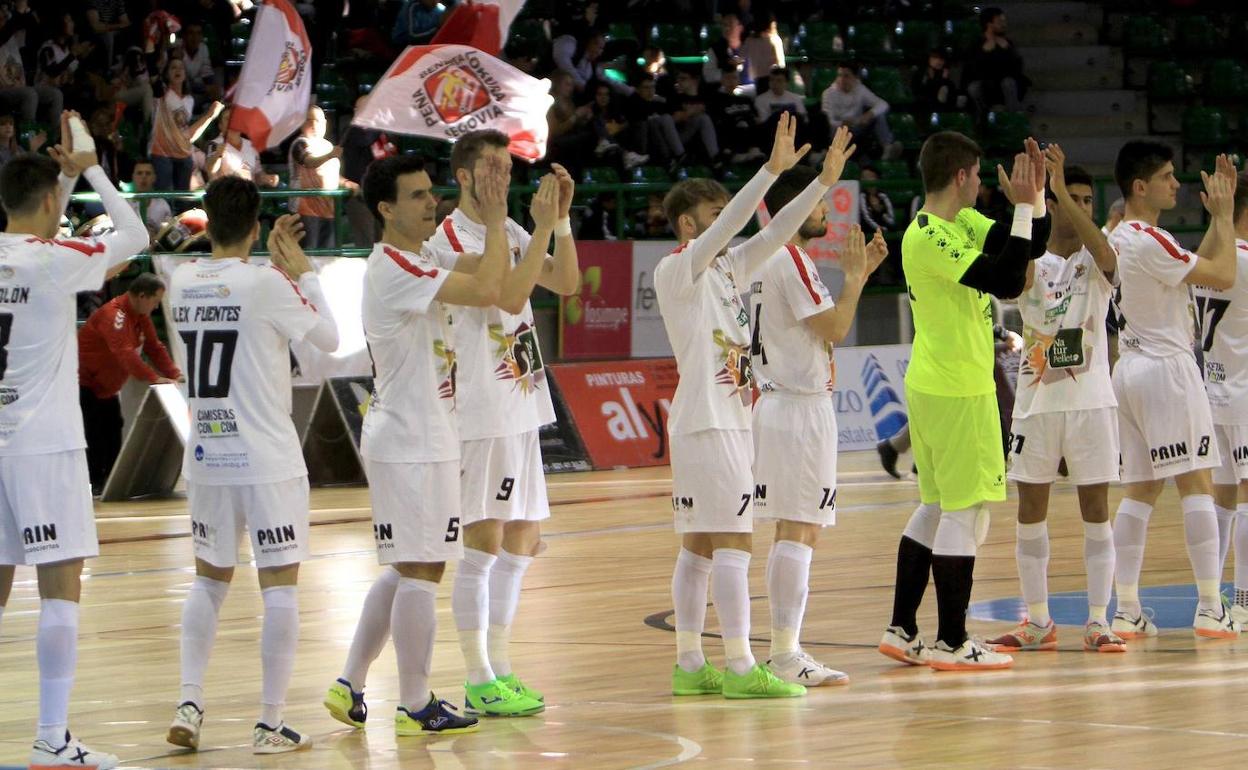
(1174, 606)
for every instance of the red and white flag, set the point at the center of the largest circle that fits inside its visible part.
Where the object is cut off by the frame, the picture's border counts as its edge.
(446, 91)
(274, 89)
(482, 24)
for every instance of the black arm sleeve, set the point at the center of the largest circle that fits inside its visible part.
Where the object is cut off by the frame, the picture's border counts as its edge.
(999, 235)
(1002, 275)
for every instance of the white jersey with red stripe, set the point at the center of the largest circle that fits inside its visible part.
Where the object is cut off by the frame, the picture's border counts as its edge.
(1153, 302)
(503, 389)
(1223, 329)
(235, 322)
(39, 279)
(709, 329)
(787, 356)
(1065, 362)
(410, 418)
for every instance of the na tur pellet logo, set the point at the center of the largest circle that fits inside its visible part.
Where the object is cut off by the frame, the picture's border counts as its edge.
(290, 69)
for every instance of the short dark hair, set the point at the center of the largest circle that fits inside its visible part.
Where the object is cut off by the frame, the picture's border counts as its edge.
(943, 155)
(25, 181)
(467, 149)
(6, 117)
(989, 15)
(146, 285)
(144, 161)
(687, 194)
(1241, 196)
(1074, 175)
(779, 71)
(787, 187)
(381, 180)
(233, 205)
(1139, 159)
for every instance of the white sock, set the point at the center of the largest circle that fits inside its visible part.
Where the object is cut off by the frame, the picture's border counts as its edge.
(788, 585)
(470, 599)
(56, 647)
(1098, 561)
(199, 630)
(730, 590)
(1031, 550)
(278, 637)
(1200, 529)
(372, 630)
(1226, 520)
(690, 580)
(413, 623)
(505, 578)
(1130, 533)
(1241, 552)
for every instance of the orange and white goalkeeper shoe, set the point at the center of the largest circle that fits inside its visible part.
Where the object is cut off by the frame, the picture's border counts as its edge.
(971, 655)
(1129, 627)
(1027, 636)
(1215, 624)
(1097, 637)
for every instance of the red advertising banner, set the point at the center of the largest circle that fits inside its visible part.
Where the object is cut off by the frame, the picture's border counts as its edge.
(620, 408)
(595, 322)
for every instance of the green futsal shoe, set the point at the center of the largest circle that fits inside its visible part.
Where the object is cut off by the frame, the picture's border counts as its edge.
(759, 682)
(705, 681)
(520, 688)
(495, 699)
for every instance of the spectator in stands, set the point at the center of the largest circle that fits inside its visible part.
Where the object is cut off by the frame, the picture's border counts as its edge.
(314, 165)
(734, 118)
(654, 222)
(200, 73)
(233, 154)
(694, 126)
(875, 210)
(570, 125)
(993, 73)
(848, 102)
(60, 55)
(360, 147)
(10, 147)
(777, 100)
(418, 22)
(107, 18)
(108, 356)
(598, 221)
(616, 134)
(725, 53)
(143, 180)
(19, 27)
(445, 207)
(108, 144)
(1117, 210)
(580, 59)
(933, 89)
(131, 84)
(174, 131)
(653, 127)
(763, 50)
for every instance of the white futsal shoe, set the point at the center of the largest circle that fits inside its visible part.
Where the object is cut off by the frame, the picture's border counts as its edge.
(1216, 624)
(187, 721)
(277, 740)
(972, 655)
(899, 646)
(1129, 627)
(1239, 614)
(800, 668)
(72, 754)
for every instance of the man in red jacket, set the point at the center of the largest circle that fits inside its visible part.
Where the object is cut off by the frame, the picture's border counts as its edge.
(109, 345)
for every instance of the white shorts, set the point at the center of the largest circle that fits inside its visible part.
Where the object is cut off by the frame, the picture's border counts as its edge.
(1232, 443)
(502, 478)
(46, 513)
(1164, 422)
(1087, 438)
(415, 511)
(275, 515)
(795, 458)
(712, 481)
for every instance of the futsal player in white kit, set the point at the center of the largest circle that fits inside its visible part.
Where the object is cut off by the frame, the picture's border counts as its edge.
(410, 440)
(46, 517)
(1222, 333)
(1064, 406)
(709, 423)
(243, 464)
(796, 323)
(1164, 422)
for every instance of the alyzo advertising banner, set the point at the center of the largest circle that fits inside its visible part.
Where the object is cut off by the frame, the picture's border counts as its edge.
(620, 409)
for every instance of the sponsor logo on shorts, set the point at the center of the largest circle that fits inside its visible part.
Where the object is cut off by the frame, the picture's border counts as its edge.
(384, 535)
(682, 503)
(41, 537)
(203, 534)
(760, 495)
(1170, 454)
(277, 539)
(1240, 454)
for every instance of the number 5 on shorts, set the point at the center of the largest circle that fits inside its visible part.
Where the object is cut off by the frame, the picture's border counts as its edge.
(452, 529)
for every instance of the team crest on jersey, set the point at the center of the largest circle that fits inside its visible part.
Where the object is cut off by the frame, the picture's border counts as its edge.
(736, 370)
(519, 358)
(447, 368)
(290, 69)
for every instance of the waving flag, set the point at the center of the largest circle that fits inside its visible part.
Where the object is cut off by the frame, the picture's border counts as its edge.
(274, 89)
(482, 24)
(445, 91)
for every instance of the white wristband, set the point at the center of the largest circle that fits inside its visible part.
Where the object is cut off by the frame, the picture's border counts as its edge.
(563, 227)
(1040, 208)
(1021, 227)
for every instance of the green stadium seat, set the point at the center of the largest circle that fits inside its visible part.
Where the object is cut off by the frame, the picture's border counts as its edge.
(1205, 127)
(694, 172)
(821, 41)
(851, 171)
(904, 129)
(886, 83)
(916, 38)
(892, 169)
(620, 31)
(1196, 36)
(962, 34)
(675, 39)
(1225, 80)
(600, 175)
(1168, 82)
(951, 121)
(1143, 36)
(738, 173)
(870, 41)
(646, 174)
(1006, 131)
(821, 80)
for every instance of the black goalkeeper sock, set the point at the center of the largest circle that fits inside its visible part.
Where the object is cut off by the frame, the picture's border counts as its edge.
(914, 564)
(953, 576)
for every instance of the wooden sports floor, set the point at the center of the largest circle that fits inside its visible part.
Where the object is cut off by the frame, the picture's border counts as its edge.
(592, 634)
